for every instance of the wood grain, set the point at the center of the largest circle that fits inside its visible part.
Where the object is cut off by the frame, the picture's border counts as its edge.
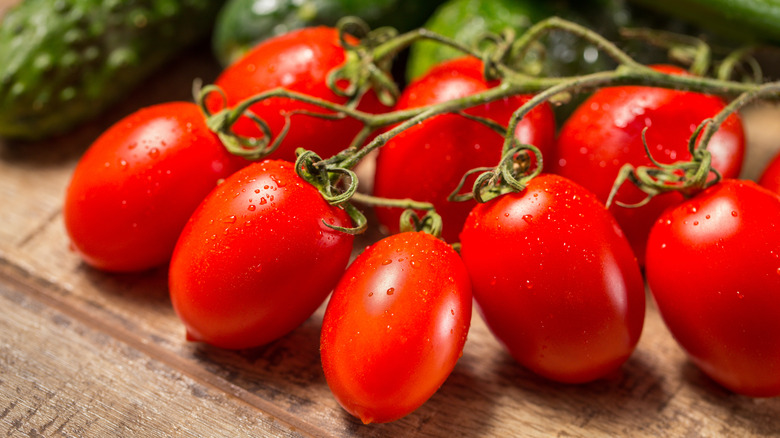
(85, 353)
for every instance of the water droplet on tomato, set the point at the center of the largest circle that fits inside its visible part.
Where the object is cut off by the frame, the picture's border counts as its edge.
(527, 218)
(740, 295)
(734, 213)
(387, 262)
(390, 291)
(229, 220)
(695, 223)
(251, 207)
(529, 284)
(257, 190)
(370, 294)
(263, 201)
(154, 152)
(707, 217)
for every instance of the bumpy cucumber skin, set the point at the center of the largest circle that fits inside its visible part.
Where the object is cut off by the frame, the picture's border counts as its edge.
(243, 23)
(64, 61)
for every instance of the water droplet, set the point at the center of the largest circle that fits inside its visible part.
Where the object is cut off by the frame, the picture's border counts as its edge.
(257, 190)
(154, 152)
(452, 311)
(370, 294)
(527, 218)
(707, 217)
(123, 164)
(387, 262)
(230, 219)
(695, 223)
(390, 291)
(263, 201)
(734, 213)
(251, 207)
(528, 284)
(740, 295)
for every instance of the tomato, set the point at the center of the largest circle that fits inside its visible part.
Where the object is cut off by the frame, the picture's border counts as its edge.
(605, 132)
(555, 279)
(298, 61)
(138, 183)
(426, 162)
(395, 326)
(713, 267)
(256, 260)
(770, 177)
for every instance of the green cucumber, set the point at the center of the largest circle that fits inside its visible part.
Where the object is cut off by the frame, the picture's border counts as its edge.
(465, 21)
(243, 23)
(742, 20)
(64, 61)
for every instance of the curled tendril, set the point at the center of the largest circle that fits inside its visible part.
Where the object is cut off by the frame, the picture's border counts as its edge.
(686, 49)
(736, 61)
(327, 179)
(431, 223)
(221, 123)
(497, 53)
(686, 177)
(511, 175)
(366, 67)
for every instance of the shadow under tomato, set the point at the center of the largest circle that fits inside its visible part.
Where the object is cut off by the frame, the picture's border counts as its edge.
(759, 416)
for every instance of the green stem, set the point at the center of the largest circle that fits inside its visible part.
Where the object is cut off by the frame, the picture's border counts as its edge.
(389, 202)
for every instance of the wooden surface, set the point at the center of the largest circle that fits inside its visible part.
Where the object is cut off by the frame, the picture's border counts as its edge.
(84, 353)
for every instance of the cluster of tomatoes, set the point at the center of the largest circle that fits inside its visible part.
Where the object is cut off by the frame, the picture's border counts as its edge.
(253, 249)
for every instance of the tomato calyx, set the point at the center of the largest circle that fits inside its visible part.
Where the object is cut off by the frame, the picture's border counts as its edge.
(687, 177)
(512, 174)
(430, 223)
(368, 62)
(337, 186)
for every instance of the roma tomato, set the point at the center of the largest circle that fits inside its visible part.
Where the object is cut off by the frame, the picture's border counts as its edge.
(770, 177)
(138, 183)
(605, 132)
(427, 161)
(713, 267)
(297, 61)
(395, 326)
(256, 260)
(555, 279)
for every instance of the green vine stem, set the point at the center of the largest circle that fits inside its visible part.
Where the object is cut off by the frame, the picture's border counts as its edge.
(368, 61)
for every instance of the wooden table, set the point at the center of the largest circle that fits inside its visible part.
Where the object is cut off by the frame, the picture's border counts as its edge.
(84, 353)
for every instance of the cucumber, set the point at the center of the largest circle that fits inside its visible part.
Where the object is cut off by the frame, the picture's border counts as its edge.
(750, 21)
(243, 23)
(465, 21)
(566, 54)
(64, 61)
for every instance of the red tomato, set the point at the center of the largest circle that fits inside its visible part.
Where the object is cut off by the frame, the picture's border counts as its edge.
(605, 132)
(770, 177)
(298, 61)
(395, 326)
(139, 182)
(256, 260)
(713, 266)
(426, 162)
(555, 279)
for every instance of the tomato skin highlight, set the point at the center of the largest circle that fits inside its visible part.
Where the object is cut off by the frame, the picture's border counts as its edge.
(555, 280)
(298, 61)
(713, 267)
(426, 162)
(395, 326)
(605, 132)
(135, 187)
(256, 260)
